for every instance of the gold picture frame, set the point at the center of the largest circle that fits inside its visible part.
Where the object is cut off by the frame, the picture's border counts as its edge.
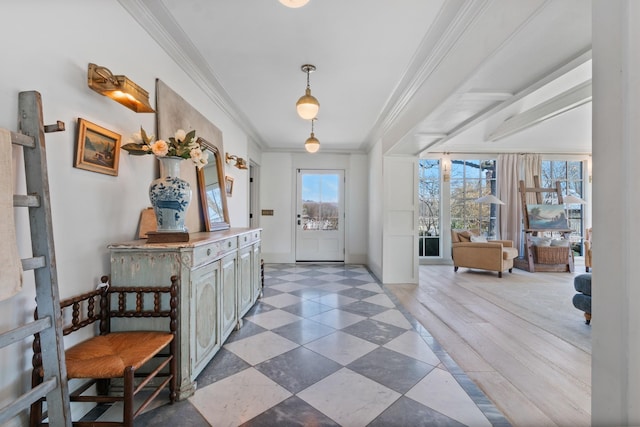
(97, 148)
(228, 185)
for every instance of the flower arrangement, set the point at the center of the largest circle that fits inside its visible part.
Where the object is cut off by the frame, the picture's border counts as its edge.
(182, 144)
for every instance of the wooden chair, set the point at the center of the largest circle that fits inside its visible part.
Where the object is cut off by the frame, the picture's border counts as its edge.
(122, 356)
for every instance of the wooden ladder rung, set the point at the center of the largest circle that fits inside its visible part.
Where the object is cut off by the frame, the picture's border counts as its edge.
(26, 201)
(25, 401)
(33, 263)
(24, 331)
(22, 139)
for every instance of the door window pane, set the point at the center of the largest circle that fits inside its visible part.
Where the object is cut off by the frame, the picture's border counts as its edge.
(320, 202)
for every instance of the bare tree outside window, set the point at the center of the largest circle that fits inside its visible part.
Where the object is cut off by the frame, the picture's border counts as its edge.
(470, 180)
(429, 207)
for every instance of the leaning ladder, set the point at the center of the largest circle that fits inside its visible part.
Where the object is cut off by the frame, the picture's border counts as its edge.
(49, 323)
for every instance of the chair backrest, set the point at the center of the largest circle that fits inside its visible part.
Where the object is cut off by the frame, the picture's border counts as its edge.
(458, 236)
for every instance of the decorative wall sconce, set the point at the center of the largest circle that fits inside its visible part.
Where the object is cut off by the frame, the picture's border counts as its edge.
(294, 3)
(240, 162)
(118, 88)
(307, 106)
(312, 144)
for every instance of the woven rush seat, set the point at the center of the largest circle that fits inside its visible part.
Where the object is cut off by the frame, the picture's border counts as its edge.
(107, 356)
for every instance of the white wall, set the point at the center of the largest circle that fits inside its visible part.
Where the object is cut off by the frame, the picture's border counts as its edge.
(400, 220)
(374, 254)
(616, 291)
(278, 193)
(47, 47)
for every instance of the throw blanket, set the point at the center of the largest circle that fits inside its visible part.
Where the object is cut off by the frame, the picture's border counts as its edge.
(10, 264)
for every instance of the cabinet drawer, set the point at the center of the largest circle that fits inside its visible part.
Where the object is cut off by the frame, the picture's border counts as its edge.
(209, 252)
(248, 238)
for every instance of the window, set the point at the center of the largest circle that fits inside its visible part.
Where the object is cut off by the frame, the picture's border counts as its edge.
(570, 175)
(471, 179)
(429, 206)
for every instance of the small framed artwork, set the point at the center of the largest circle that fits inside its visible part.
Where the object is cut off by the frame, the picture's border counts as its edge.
(97, 148)
(228, 185)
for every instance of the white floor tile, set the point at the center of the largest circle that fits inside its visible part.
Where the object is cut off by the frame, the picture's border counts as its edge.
(333, 287)
(440, 391)
(238, 398)
(337, 319)
(335, 300)
(349, 398)
(281, 300)
(260, 347)
(273, 319)
(341, 347)
(411, 344)
(373, 287)
(393, 317)
(287, 287)
(381, 299)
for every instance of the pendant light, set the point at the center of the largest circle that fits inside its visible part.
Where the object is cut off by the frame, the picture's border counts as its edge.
(294, 3)
(307, 106)
(312, 144)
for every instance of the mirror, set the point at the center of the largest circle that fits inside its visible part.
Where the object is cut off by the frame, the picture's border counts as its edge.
(213, 198)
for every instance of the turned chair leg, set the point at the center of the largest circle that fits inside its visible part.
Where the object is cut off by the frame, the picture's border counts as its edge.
(587, 318)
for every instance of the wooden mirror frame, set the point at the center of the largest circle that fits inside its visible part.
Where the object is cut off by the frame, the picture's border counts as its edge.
(215, 155)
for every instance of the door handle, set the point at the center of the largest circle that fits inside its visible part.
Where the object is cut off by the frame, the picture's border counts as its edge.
(298, 222)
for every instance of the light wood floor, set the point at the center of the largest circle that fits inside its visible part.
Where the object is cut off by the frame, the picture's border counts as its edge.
(533, 375)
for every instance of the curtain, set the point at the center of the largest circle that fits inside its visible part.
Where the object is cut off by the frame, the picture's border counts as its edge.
(510, 218)
(511, 169)
(532, 167)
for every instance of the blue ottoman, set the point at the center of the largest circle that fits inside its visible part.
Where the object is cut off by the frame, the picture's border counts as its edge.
(582, 300)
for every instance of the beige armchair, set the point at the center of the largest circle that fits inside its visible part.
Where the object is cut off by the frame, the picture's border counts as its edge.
(494, 255)
(587, 250)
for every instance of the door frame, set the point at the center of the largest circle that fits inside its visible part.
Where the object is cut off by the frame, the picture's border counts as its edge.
(342, 229)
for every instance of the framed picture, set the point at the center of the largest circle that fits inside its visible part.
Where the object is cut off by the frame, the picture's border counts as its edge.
(97, 148)
(547, 217)
(228, 185)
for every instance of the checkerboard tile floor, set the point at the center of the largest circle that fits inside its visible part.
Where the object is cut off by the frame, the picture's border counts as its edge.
(327, 346)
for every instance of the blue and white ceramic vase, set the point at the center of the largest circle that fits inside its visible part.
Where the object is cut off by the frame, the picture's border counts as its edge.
(170, 196)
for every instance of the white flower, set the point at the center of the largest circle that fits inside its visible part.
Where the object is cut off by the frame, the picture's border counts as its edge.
(136, 138)
(199, 157)
(160, 148)
(180, 135)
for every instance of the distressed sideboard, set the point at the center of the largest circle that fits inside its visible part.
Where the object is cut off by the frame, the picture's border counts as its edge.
(219, 282)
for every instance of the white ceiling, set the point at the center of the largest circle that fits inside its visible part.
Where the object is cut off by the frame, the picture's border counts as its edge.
(441, 75)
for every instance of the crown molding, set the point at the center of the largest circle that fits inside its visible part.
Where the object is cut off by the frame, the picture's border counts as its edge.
(450, 24)
(155, 19)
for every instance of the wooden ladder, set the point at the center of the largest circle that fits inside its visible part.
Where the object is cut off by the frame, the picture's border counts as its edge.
(529, 263)
(49, 323)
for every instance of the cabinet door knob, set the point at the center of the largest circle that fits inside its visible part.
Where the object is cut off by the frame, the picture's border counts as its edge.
(208, 251)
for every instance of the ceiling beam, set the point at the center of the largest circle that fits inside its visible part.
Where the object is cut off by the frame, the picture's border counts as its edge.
(566, 101)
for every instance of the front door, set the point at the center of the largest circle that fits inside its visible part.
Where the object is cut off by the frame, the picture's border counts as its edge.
(320, 215)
